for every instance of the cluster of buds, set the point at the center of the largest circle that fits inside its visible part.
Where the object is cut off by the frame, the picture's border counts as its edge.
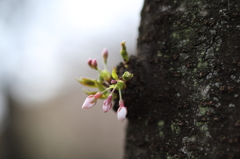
(107, 83)
(92, 63)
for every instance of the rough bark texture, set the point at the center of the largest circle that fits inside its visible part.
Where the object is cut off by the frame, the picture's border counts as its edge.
(183, 101)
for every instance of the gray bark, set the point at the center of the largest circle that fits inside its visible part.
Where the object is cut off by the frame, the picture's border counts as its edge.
(183, 101)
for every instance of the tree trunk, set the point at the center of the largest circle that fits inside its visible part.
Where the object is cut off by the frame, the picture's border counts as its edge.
(184, 99)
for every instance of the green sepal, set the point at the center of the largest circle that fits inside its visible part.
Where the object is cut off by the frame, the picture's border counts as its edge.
(120, 85)
(114, 75)
(105, 75)
(104, 96)
(88, 92)
(100, 78)
(86, 82)
(127, 76)
(99, 86)
(123, 52)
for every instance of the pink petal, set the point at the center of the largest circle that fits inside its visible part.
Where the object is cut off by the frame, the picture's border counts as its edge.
(89, 102)
(105, 53)
(121, 113)
(106, 106)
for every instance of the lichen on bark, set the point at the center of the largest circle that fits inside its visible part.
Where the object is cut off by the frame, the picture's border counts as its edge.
(183, 101)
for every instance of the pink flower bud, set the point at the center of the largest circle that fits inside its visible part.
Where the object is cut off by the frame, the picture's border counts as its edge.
(94, 64)
(122, 111)
(105, 55)
(91, 100)
(107, 104)
(113, 81)
(90, 62)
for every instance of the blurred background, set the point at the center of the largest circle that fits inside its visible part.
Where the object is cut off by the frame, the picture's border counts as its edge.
(44, 45)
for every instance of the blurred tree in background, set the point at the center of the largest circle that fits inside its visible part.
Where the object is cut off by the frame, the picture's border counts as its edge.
(44, 45)
(183, 101)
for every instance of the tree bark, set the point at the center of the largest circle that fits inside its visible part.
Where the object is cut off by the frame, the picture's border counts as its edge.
(183, 101)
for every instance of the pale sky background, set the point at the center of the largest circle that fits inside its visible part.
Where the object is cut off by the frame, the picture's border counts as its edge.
(39, 37)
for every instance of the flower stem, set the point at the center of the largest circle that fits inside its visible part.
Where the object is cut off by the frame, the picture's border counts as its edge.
(120, 94)
(113, 89)
(99, 71)
(105, 65)
(106, 89)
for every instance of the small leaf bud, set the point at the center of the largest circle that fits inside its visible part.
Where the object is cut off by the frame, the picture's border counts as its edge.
(123, 52)
(127, 76)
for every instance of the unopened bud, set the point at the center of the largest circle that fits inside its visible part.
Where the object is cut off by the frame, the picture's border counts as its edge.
(89, 62)
(105, 55)
(122, 111)
(91, 100)
(113, 81)
(94, 64)
(107, 104)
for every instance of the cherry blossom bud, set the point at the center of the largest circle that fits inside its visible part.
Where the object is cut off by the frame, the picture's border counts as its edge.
(113, 81)
(91, 100)
(105, 55)
(90, 62)
(122, 111)
(107, 104)
(94, 64)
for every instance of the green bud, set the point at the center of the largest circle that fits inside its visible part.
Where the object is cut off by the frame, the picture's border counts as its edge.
(120, 85)
(100, 78)
(86, 82)
(127, 76)
(123, 52)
